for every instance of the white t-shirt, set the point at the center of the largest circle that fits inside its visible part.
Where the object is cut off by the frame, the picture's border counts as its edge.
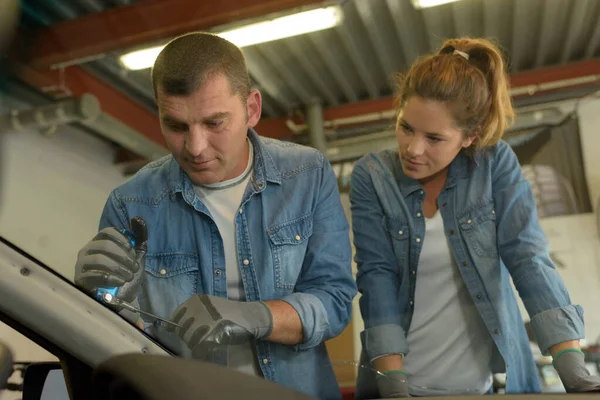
(223, 201)
(449, 345)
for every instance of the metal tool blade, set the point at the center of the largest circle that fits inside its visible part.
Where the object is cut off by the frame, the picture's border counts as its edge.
(110, 299)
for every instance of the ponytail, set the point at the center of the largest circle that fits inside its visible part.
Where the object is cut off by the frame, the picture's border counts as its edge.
(469, 75)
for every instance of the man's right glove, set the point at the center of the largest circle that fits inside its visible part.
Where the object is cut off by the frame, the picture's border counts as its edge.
(209, 322)
(110, 259)
(392, 384)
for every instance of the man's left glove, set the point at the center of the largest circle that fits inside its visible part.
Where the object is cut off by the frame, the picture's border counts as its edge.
(207, 322)
(570, 365)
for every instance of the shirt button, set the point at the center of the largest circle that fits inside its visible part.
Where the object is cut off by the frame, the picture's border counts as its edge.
(497, 331)
(163, 271)
(414, 272)
(241, 211)
(246, 262)
(494, 212)
(261, 185)
(444, 204)
(411, 302)
(418, 240)
(297, 237)
(265, 361)
(464, 263)
(479, 296)
(421, 192)
(400, 233)
(451, 232)
(418, 214)
(469, 221)
(218, 272)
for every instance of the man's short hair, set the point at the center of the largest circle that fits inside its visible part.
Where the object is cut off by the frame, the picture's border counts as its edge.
(188, 61)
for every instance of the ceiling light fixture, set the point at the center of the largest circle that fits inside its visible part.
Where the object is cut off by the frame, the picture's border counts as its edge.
(260, 32)
(418, 4)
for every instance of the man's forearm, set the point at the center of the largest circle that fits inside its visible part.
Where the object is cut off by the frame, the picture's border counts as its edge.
(388, 363)
(571, 344)
(287, 327)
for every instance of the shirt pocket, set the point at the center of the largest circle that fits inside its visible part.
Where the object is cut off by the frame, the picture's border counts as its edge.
(479, 229)
(289, 241)
(399, 234)
(170, 280)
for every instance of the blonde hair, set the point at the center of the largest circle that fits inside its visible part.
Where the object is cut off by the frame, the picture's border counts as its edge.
(469, 76)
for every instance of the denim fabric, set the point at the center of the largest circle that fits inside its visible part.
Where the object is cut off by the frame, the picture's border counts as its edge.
(491, 224)
(293, 245)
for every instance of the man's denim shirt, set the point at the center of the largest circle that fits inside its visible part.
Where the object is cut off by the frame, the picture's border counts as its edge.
(293, 244)
(491, 223)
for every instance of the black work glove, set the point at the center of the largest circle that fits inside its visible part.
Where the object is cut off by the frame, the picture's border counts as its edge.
(209, 322)
(110, 259)
(573, 373)
(392, 384)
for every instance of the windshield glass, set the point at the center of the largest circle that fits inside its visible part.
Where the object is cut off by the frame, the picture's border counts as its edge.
(293, 205)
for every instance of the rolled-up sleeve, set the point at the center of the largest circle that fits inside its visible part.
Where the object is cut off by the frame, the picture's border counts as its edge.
(524, 249)
(378, 273)
(325, 290)
(384, 340)
(558, 325)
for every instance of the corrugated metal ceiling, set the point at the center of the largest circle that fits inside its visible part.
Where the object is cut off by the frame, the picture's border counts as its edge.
(356, 60)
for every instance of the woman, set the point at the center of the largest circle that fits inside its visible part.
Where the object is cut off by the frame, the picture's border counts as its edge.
(440, 226)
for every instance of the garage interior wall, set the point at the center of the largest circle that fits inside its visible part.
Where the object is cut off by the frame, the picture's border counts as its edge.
(54, 189)
(589, 126)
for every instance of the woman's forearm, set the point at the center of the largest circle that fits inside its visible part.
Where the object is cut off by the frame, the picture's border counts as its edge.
(564, 345)
(388, 363)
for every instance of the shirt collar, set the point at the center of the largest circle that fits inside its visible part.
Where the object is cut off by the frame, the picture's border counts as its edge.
(263, 166)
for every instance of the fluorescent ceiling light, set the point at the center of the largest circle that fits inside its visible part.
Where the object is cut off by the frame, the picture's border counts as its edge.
(430, 3)
(261, 32)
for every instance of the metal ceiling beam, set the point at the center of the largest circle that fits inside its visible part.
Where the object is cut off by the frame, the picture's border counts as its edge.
(77, 81)
(552, 74)
(326, 52)
(497, 21)
(268, 79)
(139, 119)
(144, 22)
(410, 30)
(285, 70)
(299, 50)
(353, 49)
(594, 40)
(552, 11)
(367, 13)
(273, 126)
(581, 13)
(523, 24)
(467, 18)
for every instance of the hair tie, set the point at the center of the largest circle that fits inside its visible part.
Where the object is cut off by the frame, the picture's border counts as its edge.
(462, 54)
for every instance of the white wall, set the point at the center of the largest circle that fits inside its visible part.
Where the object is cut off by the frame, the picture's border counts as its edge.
(575, 243)
(589, 125)
(54, 190)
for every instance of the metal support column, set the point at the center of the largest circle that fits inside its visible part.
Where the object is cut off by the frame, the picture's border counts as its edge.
(316, 126)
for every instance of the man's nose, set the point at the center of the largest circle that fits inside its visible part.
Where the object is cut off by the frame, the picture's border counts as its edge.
(196, 141)
(416, 147)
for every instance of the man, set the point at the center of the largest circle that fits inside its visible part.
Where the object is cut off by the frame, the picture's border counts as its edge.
(248, 245)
